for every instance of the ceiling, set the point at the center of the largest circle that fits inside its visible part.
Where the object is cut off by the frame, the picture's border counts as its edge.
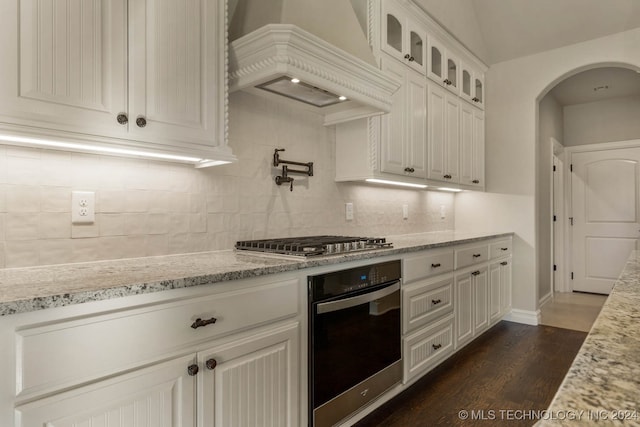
(501, 30)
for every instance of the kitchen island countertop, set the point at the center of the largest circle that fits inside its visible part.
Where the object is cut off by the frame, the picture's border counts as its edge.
(602, 386)
(35, 288)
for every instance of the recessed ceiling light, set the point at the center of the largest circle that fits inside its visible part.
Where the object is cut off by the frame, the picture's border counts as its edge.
(342, 98)
(294, 80)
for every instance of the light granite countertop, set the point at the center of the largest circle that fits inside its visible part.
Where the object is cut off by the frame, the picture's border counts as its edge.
(602, 386)
(35, 288)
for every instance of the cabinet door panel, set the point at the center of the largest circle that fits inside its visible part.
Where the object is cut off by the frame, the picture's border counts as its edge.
(171, 61)
(466, 145)
(255, 381)
(453, 139)
(478, 148)
(64, 64)
(494, 293)
(463, 309)
(417, 124)
(394, 123)
(160, 396)
(481, 302)
(437, 132)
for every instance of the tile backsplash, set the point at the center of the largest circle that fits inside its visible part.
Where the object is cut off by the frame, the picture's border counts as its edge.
(146, 208)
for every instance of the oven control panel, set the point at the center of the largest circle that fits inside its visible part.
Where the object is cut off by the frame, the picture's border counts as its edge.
(342, 282)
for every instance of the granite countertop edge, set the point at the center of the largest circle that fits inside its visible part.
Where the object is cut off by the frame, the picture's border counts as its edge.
(113, 284)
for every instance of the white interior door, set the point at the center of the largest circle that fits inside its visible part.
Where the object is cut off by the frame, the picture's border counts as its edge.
(605, 214)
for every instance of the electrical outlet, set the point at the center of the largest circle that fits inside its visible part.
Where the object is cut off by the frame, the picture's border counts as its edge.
(348, 211)
(83, 207)
(405, 211)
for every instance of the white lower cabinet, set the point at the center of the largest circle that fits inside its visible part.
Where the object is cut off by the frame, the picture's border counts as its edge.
(472, 311)
(159, 396)
(450, 296)
(252, 382)
(427, 347)
(499, 289)
(226, 358)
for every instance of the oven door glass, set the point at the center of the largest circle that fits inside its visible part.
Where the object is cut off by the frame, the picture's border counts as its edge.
(353, 338)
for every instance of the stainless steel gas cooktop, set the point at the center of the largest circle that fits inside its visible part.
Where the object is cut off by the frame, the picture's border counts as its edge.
(313, 246)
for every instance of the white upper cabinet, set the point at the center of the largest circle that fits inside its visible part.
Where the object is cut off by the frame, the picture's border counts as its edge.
(403, 38)
(128, 74)
(472, 86)
(444, 65)
(444, 135)
(471, 146)
(404, 129)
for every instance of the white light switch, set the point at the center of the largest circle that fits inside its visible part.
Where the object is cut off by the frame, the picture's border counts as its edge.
(405, 211)
(83, 207)
(348, 211)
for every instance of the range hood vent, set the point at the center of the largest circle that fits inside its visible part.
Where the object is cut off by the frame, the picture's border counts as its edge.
(286, 62)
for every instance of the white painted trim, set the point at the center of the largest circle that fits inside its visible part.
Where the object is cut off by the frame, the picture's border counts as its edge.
(614, 145)
(526, 317)
(545, 299)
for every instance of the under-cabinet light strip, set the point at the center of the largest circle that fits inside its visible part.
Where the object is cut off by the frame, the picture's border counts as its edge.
(403, 184)
(454, 190)
(98, 149)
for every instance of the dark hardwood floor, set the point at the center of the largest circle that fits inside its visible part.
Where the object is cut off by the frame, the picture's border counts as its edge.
(512, 370)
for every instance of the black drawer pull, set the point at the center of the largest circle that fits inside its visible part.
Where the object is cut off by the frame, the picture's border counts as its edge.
(504, 249)
(199, 322)
(477, 255)
(475, 273)
(504, 263)
(435, 265)
(436, 301)
(436, 346)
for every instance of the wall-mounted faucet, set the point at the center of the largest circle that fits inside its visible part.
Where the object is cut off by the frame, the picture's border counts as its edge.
(285, 178)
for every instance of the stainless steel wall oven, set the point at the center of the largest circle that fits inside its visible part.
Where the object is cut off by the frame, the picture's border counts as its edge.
(354, 339)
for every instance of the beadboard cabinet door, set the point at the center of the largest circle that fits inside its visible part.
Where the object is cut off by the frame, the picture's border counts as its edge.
(64, 64)
(253, 381)
(160, 396)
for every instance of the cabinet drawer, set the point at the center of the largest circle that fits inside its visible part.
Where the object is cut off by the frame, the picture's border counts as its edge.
(69, 352)
(427, 347)
(471, 255)
(501, 248)
(426, 301)
(427, 264)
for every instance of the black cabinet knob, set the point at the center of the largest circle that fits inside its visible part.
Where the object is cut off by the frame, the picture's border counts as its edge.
(122, 119)
(211, 364)
(193, 370)
(141, 122)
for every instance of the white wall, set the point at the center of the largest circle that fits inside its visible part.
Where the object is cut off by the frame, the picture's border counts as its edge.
(153, 208)
(615, 119)
(551, 122)
(514, 89)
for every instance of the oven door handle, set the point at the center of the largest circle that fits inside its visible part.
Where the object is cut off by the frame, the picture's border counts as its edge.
(328, 307)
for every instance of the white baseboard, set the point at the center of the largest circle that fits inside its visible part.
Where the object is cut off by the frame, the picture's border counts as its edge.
(524, 316)
(545, 299)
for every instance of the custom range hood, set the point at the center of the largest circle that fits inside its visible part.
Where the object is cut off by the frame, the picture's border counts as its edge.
(311, 52)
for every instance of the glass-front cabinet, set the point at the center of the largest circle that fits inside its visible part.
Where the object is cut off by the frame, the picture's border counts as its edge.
(402, 38)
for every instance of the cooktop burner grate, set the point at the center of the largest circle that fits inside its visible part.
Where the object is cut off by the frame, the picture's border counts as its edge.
(310, 246)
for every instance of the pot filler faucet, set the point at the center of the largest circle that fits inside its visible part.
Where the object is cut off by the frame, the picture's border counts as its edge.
(285, 178)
